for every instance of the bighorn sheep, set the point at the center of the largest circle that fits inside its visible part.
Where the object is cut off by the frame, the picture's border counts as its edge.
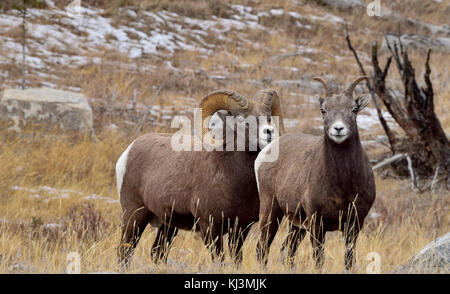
(319, 183)
(213, 192)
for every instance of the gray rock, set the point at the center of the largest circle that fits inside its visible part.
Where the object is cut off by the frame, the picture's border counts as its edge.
(433, 258)
(46, 106)
(344, 4)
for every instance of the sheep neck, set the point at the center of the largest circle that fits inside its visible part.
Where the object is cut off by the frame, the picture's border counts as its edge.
(343, 162)
(237, 160)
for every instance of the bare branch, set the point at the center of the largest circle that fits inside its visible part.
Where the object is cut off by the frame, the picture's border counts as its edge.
(425, 141)
(383, 122)
(391, 104)
(429, 103)
(349, 43)
(394, 53)
(411, 172)
(399, 33)
(433, 182)
(386, 67)
(389, 160)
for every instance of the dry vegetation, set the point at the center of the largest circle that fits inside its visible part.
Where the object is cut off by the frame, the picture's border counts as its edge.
(45, 178)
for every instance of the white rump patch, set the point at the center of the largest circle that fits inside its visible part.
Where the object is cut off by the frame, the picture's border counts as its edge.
(121, 166)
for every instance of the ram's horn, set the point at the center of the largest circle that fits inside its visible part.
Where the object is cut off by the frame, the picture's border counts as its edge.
(325, 85)
(349, 91)
(271, 99)
(217, 100)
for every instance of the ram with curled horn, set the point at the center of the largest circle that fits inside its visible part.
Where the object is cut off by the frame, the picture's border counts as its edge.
(210, 191)
(320, 183)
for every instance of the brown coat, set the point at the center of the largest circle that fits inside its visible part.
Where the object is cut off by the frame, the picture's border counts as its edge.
(214, 192)
(321, 177)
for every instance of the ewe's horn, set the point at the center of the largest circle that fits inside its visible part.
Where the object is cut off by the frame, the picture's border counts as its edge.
(352, 86)
(270, 98)
(322, 81)
(217, 100)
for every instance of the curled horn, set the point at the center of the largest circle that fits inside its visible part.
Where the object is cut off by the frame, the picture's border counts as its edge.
(217, 100)
(322, 81)
(349, 91)
(271, 99)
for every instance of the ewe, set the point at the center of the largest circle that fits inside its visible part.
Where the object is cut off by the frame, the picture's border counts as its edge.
(319, 183)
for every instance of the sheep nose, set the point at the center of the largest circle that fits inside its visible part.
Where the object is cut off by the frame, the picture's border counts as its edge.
(268, 131)
(338, 129)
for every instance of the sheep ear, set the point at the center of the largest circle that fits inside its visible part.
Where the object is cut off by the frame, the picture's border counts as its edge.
(321, 100)
(362, 101)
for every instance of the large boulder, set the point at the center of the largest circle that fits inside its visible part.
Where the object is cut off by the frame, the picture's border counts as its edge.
(47, 107)
(433, 258)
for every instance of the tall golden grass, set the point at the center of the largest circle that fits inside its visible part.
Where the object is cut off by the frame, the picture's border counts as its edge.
(31, 162)
(34, 163)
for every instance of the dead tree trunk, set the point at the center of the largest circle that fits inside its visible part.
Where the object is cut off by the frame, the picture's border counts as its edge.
(426, 142)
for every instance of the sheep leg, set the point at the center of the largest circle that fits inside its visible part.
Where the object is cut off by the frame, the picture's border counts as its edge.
(269, 223)
(350, 238)
(163, 242)
(213, 239)
(294, 238)
(318, 242)
(235, 242)
(134, 222)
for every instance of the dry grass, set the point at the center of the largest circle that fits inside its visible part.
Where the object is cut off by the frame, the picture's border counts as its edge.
(407, 220)
(78, 167)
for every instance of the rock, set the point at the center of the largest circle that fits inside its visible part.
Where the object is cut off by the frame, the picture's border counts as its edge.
(46, 106)
(441, 44)
(433, 258)
(344, 4)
